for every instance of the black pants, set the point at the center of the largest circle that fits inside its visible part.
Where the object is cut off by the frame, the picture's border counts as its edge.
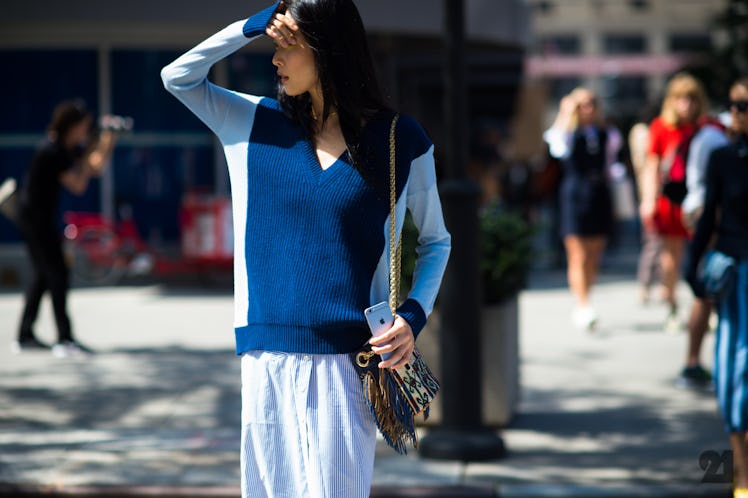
(50, 273)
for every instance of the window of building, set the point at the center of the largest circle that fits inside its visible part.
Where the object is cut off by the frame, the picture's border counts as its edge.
(543, 6)
(560, 87)
(690, 42)
(170, 153)
(252, 73)
(38, 80)
(559, 45)
(624, 44)
(628, 87)
(144, 97)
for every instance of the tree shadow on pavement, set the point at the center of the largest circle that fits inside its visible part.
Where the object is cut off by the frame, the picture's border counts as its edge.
(591, 436)
(155, 403)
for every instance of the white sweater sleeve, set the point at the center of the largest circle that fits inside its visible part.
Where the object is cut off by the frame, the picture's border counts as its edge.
(702, 145)
(559, 142)
(187, 77)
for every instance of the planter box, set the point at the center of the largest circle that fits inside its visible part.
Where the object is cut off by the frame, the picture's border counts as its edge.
(500, 362)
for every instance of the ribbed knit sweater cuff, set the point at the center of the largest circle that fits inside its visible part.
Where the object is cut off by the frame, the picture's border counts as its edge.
(412, 312)
(256, 24)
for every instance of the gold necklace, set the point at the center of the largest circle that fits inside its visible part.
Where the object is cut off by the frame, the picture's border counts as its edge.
(315, 117)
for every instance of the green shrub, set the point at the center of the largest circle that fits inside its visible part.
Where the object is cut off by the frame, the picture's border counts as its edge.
(506, 254)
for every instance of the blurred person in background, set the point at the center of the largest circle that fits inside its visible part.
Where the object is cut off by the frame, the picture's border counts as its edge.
(68, 158)
(710, 135)
(664, 186)
(725, 218)
(648, 266)
(586, 147)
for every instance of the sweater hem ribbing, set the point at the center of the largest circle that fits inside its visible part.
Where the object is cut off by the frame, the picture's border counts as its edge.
(297, 339)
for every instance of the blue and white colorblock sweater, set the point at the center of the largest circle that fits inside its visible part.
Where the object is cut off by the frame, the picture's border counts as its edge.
(310, 245)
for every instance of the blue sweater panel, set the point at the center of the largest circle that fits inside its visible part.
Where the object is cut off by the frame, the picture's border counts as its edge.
(313, 238)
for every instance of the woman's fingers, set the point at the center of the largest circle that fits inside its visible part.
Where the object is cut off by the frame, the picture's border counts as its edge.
(398, 342)
(399, 358)
(281, 28)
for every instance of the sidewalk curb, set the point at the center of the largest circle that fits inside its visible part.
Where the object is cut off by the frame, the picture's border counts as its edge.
(502, 491)
(224, 491)
(632, 491)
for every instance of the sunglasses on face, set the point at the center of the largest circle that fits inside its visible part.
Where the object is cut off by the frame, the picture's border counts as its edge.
(738, 105)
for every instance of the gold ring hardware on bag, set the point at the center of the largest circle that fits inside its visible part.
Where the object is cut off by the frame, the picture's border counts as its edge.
(363, 358)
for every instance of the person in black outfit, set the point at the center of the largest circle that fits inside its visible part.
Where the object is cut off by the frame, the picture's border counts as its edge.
(725, 215)
(68, 158)
(586, 147)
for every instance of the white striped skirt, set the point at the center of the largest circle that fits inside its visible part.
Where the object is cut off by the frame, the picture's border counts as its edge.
(306, 430)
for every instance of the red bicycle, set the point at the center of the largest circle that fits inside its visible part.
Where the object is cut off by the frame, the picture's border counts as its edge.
(103, 252)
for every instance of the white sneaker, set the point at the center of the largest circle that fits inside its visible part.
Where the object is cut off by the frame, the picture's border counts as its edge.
(68, 349)
(713, 321)
(585, 318)
(673, 325)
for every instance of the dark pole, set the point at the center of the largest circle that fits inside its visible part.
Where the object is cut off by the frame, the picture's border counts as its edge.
(462, 435)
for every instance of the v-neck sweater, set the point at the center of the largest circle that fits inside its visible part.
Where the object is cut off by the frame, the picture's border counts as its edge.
(311, 245)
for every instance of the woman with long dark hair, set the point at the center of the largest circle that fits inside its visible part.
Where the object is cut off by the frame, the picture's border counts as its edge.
(310, 187)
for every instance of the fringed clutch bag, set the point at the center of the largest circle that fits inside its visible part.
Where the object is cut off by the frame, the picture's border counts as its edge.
(395, 397)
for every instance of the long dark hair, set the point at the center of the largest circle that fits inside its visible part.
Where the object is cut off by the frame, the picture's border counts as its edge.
(67, 114)
(337, 37)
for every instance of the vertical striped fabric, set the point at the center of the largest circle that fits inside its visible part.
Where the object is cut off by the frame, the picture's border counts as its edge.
(306, 431)
(731, 361)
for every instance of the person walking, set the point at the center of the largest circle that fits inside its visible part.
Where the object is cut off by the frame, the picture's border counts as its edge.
(68, 158)
(586, 148)
(725, 218)
(664, 187)
(709, 137)
(309, 175)
(647, 270)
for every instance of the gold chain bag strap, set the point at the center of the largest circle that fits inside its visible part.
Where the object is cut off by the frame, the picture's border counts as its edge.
(395, 396)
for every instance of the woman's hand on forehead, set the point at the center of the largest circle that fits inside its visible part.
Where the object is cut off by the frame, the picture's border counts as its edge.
(282, 28)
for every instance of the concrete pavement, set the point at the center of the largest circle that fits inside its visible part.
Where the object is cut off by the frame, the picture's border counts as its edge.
(156, 410)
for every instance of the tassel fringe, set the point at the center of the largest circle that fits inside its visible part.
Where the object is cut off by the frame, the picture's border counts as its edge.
(390, 410)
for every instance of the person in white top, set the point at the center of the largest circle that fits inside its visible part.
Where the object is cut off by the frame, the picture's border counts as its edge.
(586, 147)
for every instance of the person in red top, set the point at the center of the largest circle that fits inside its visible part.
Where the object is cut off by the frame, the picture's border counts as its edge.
(684, 106)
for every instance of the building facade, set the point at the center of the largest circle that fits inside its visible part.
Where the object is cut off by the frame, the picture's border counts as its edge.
(110, 54)
(624, 49)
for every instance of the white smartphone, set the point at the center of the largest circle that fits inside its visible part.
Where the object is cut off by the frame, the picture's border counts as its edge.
(380, 320)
